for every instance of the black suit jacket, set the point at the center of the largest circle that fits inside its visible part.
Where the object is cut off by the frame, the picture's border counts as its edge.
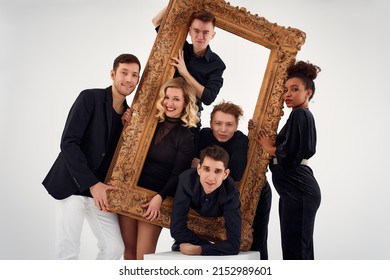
(84, 144)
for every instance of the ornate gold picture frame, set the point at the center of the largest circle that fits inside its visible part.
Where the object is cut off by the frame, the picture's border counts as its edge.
(283, 43)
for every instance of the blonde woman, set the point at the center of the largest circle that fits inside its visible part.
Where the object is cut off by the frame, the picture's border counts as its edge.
(170, 153)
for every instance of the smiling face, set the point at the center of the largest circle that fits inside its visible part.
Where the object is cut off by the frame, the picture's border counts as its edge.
(295, 93)
(201, 34)
(211, 173)
(125, 78)
(173, 102)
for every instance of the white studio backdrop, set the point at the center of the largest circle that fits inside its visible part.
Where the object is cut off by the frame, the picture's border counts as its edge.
(52, 49)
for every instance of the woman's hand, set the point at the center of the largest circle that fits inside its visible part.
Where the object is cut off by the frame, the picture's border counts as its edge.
(153, 208)
(266, 142)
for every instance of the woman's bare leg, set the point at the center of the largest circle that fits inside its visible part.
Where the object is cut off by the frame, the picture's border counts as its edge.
(129, 229)
(147, 239)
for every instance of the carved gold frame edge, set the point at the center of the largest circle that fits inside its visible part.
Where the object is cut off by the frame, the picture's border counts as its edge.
(283, 43)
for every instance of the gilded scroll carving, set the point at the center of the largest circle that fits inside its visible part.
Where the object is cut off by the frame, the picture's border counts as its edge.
(283, 43)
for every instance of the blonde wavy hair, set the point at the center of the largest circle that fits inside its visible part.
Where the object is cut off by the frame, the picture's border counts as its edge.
(189, 114)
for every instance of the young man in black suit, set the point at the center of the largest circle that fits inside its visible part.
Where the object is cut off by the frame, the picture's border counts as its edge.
(88, 143)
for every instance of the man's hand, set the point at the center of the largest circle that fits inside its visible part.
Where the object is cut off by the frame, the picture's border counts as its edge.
(180, 64)
(190, 249)
(126, 117)
(99, 194)
(194, 163)
(251, 124)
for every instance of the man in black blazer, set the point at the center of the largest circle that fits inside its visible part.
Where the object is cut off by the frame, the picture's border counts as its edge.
(88, 143)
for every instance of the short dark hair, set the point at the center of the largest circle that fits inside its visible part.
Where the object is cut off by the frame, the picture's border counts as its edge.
(125, 58)
(216, 153)
(203, 16)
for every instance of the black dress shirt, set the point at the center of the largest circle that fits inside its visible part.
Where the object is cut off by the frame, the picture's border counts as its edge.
(206, 70)
(223, 202)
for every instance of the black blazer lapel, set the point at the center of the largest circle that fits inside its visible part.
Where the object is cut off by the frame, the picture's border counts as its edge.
(109, 110)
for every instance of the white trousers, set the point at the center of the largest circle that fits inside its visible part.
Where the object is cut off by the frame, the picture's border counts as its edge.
(71, 213)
